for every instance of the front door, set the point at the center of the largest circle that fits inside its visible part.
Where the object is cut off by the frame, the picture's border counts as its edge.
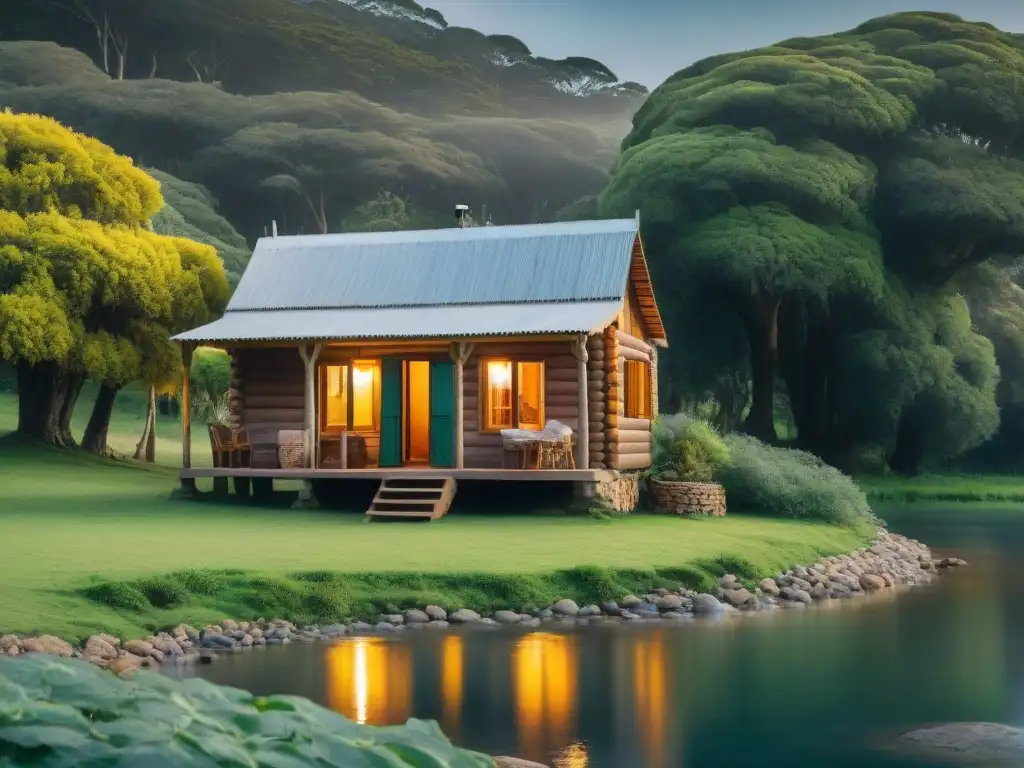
(417, 413)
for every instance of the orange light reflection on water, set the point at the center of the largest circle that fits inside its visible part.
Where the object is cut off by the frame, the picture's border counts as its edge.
(451, 684)
(369, 680)
(649, 697)
(544, 680)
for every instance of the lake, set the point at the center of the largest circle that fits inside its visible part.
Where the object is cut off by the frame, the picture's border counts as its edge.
(831, 685)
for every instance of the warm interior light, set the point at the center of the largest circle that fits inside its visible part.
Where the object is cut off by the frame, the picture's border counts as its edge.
(499, 373)
(362, 378)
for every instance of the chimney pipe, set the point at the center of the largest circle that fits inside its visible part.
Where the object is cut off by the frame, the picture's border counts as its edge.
(273, 228)
(461, 212)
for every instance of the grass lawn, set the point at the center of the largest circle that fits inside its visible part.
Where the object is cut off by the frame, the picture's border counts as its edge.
(961, 488)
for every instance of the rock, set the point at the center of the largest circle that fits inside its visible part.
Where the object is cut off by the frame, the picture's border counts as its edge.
(218, 642)
(416, 616)
(705, 604)
(436, 613)
(507, 617)
(488, 622)
(728, 582)
(229, 625)
(611, 609)
(7, 642)
(125, 664)
(630, 602)
(969, 743)
(546, 613)
(565, 607)
(738, 597)
(769, 587)
(98, 648)
(359, 626)
(515, 762)
(464, 616)
(819, 592)
(46, 644)
(139, 647)
(590, 610)
(384, 626)
(669, 603)
(337, 630)
(438, 624)
(871, 582)
(390, 618)
(246, 641)
(801, 596)
(159, 656)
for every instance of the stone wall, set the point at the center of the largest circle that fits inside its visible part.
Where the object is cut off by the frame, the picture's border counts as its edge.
(688, 498)
(620, 491)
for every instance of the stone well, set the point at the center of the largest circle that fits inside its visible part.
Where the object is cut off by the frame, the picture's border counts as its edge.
(688, 498)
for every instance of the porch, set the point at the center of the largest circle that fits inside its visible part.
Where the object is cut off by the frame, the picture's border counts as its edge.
(398, 473)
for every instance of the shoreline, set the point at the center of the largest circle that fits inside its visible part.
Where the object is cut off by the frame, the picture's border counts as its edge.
(887, 562)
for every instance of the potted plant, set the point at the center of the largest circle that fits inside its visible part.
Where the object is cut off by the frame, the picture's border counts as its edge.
(686, 453)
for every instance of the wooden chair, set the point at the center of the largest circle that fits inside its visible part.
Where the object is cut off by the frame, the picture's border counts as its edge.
(557, 454)
(229, 445)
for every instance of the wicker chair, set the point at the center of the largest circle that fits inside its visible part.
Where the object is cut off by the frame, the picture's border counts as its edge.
(230, 446)
(291, 448)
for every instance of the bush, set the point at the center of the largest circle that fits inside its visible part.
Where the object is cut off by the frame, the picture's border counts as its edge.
(211, 379)
(68, 712)
(764, 480)
(686, 449)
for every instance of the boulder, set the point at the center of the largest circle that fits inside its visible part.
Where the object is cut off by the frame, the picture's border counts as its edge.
(738, 597)
(125, 664)
(436, 613)
(705, 604)
(590, 610)
(47, 644)
(507, 617)
(565, 607)
(464, 616)
(139, 647)
(515, 762)
(390, 618)
(669, 603)
(416, 616)
(629, 602)
(96, 647)
(969, 743)
(612, 609)
(870, 582)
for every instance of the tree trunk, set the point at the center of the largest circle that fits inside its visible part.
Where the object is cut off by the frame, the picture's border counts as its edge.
(95, 439)
(42, 390)
(73, 388)
(908, 453)
(145, 449)
(763, 331)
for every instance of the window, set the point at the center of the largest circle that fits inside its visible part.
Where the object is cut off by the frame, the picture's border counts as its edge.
(502, 378)
(361, 411)
(638, 390)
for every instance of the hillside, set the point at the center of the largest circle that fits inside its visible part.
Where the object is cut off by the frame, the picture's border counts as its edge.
(302, 111)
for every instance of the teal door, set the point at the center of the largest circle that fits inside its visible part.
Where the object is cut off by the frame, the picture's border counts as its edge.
(391, 412)
(442, 414)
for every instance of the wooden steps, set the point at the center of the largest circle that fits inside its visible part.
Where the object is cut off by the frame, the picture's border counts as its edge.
(420, 498)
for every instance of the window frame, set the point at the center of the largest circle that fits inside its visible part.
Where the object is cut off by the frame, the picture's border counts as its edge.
(637, 405)
(349, 365)
(483, 390)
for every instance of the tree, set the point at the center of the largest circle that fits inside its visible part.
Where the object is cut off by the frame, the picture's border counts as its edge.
(833, 194)
(509, 50)
(577, 75)
(87, 290)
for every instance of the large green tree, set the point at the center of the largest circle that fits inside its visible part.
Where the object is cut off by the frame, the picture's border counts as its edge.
(86, 289)
(833, 195)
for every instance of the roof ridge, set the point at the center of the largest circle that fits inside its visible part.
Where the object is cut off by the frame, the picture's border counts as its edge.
(320, 307)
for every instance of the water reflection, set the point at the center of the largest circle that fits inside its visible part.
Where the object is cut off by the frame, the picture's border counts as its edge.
(369, 680)
(544, 678)
(451, 685)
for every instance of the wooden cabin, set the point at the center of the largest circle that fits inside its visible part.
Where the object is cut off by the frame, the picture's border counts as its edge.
(418, 354)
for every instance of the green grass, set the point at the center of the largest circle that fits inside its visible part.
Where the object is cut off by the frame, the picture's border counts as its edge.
(955, 488)
(91, 545)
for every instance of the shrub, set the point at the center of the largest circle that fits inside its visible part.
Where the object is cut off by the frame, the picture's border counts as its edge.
(686, 448)
(117, 594)
(211, 379)
(778, 481)
(68, 712)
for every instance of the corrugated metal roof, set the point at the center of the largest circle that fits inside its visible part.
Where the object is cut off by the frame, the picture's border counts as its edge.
(566, 261)
(453, 321)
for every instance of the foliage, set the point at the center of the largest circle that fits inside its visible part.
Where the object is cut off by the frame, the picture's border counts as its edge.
(811, 212)
(782, 482)
(60, 711)
(686, 448)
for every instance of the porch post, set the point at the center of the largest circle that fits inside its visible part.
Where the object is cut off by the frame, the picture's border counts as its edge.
(186, 405)
(579, 351)
(460, 352)
(309, 357)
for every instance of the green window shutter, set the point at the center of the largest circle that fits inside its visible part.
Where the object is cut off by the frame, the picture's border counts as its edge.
(442, 414)
(391, 412)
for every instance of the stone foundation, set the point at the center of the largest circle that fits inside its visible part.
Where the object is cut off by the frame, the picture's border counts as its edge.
(621, 491)
(688, 498)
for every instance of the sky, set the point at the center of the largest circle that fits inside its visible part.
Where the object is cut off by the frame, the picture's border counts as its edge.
(648, 40)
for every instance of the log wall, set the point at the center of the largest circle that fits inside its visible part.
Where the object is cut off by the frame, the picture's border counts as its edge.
(271, 388)
(561, 396)
(628, 441)
(597, 401)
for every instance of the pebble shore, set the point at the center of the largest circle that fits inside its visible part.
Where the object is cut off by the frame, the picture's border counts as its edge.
(889, 561)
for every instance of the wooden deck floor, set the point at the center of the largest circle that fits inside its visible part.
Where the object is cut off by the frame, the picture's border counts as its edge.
(376, 473)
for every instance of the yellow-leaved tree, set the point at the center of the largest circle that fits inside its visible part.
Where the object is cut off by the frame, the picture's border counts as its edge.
(87, 291)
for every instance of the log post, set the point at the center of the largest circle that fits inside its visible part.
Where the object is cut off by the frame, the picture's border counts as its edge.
(579, 351)
(186, 404)
(309, 357)
(654, 384)
(460, 352)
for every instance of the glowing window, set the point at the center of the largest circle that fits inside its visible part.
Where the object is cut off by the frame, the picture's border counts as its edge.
(359, 412)
(501, 410)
